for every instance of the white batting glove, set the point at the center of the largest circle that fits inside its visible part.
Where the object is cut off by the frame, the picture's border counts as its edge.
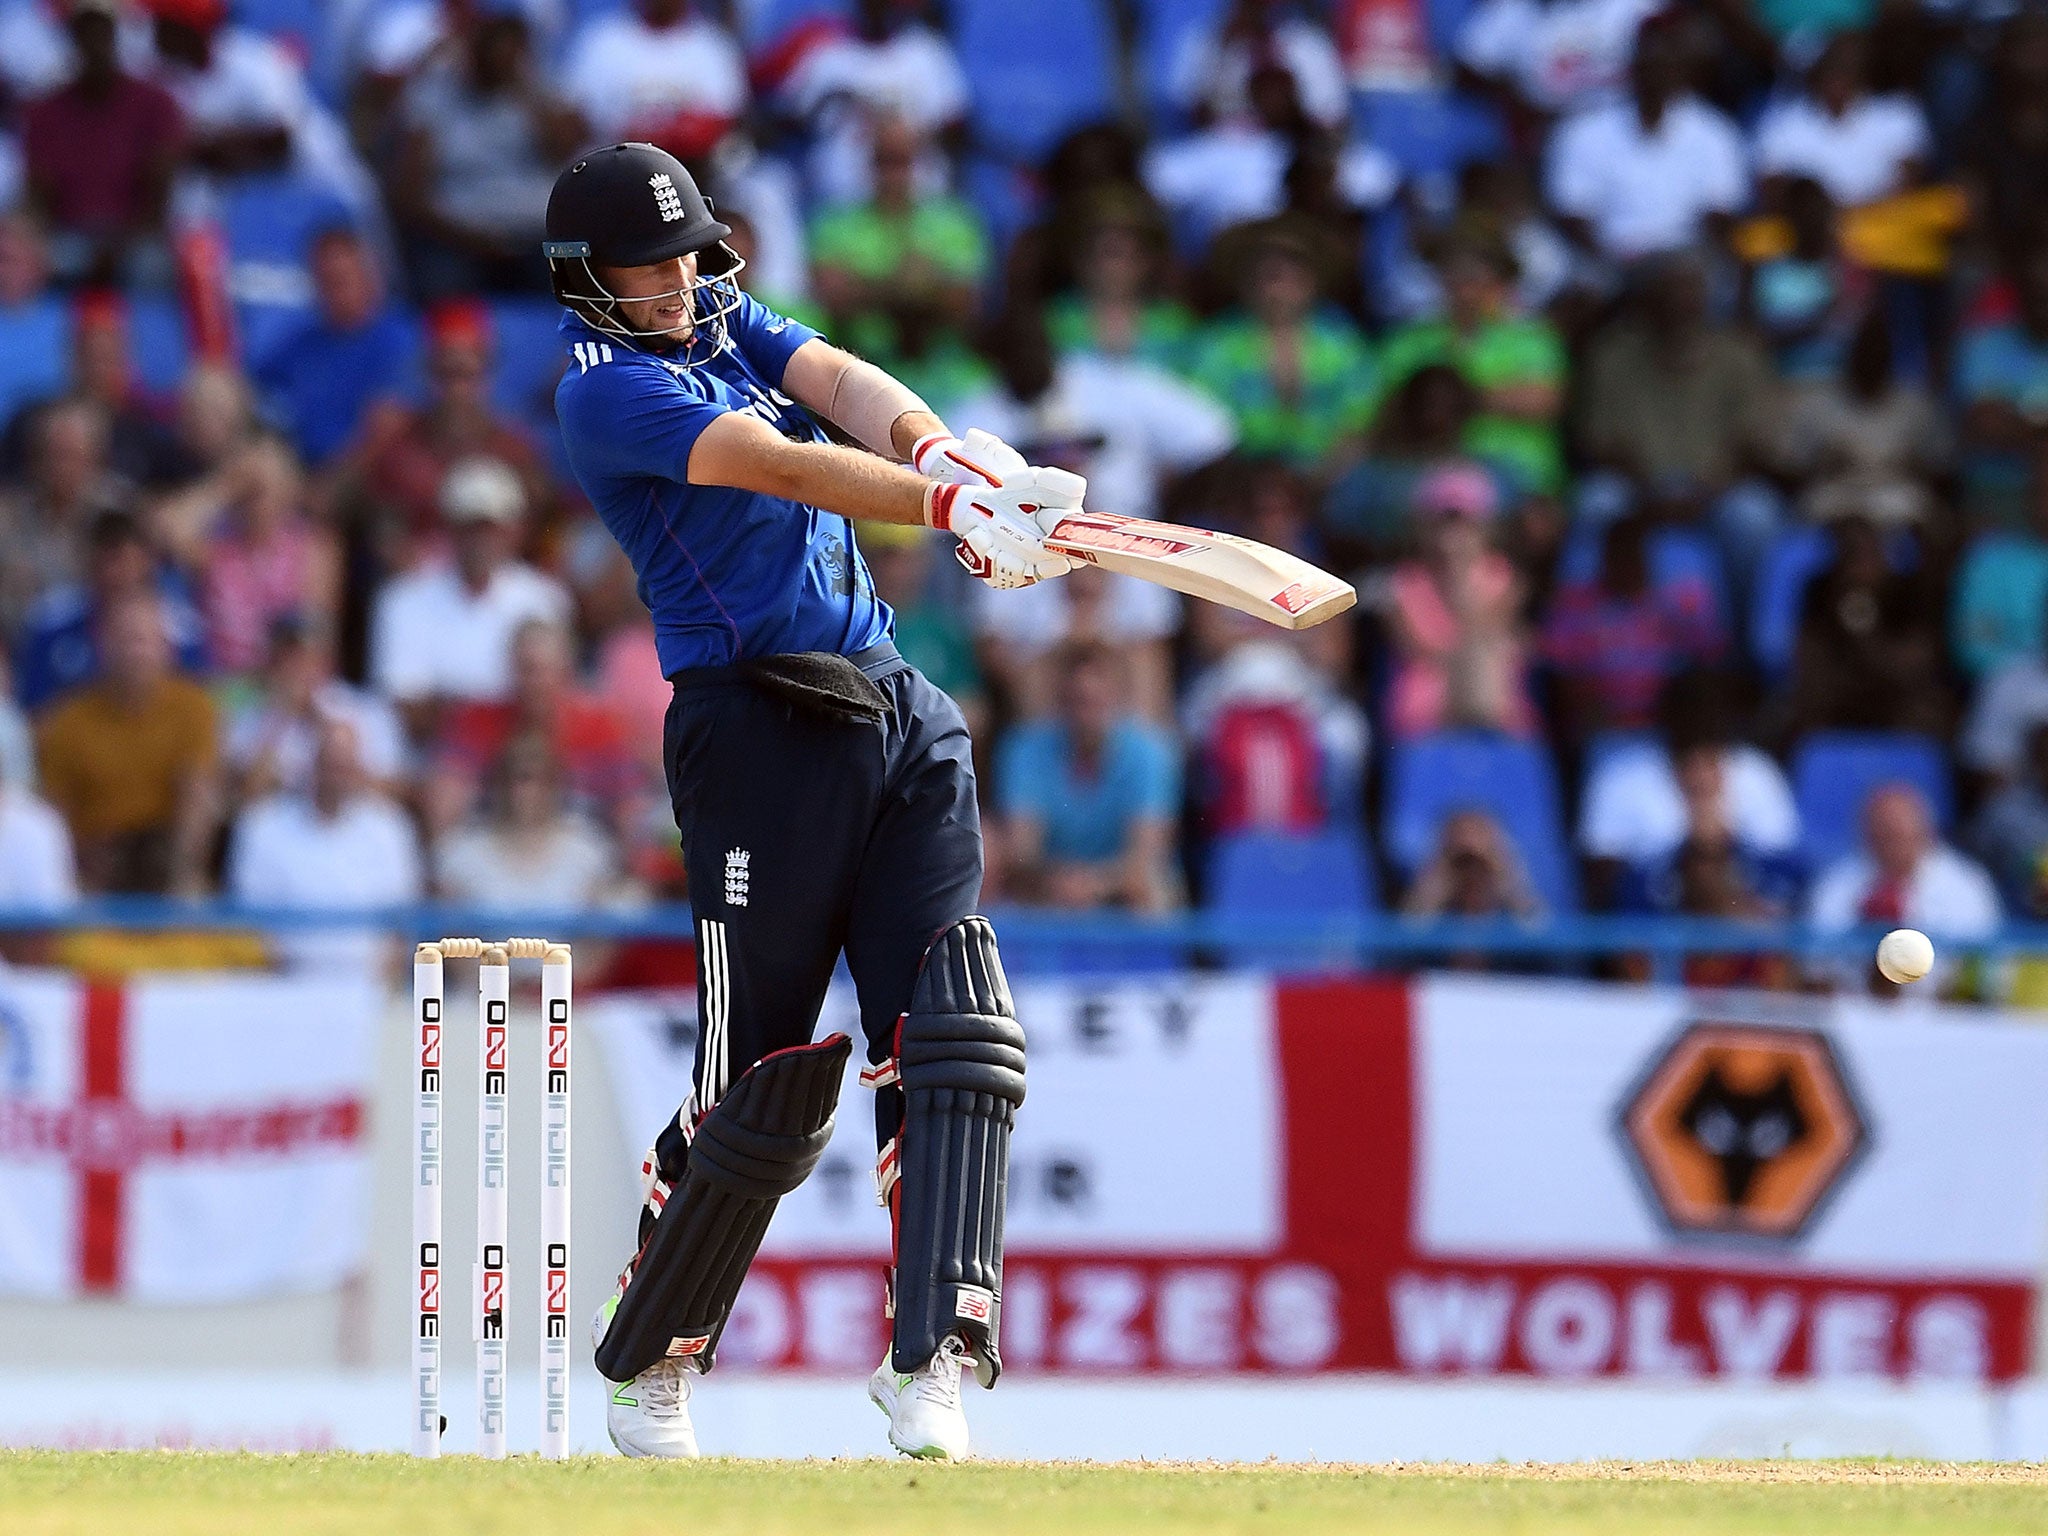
(979, 458)
(1002, 528)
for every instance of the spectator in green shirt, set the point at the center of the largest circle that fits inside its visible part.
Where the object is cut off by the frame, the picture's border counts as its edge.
(931, 637)
(898, 275)
(1296, 374)
(1514, 362)
(1120, 307)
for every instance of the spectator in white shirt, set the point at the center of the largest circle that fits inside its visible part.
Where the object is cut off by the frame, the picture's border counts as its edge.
(1125, 425)
(445, 631)
(1235, 170)
(529, 849)
(1553, 56)
(1859, 146)
(37, 870)
(246, 103)
(659, 71)
(1651, 172)
(272, 739)
(337, 846)
(895, 63)
(1212, 68)
(1905, 876)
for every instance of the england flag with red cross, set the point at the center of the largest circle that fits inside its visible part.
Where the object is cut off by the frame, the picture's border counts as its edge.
(183, 1139)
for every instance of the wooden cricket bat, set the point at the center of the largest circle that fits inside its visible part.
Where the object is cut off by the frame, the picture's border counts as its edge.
(1244, 574)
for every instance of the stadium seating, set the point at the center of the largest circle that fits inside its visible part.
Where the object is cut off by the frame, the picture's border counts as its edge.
(1433, 776)
(157, 342)
(1163, 27)
(1833, 772)
(1314, 877)
(1036, 73)
(1676, 554)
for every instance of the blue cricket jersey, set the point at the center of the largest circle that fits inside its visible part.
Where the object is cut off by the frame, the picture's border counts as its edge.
(727, 574)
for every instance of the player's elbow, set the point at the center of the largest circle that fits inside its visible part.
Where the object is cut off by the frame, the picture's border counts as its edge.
(749, 456)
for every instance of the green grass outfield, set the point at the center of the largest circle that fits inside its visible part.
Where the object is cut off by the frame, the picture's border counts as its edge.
(127, 1494)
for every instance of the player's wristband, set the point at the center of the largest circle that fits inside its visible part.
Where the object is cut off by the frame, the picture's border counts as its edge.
(924, 451)
(938, 506)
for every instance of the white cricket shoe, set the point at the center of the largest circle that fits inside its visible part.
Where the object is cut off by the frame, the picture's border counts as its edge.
(925, 1416)
(649, 1415)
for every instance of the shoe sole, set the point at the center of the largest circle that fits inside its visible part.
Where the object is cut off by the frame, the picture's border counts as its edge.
(918, 1453)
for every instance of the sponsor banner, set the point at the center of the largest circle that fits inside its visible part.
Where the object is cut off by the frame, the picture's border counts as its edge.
(183, 1138)
(1152, 1122)
(1457, 1176)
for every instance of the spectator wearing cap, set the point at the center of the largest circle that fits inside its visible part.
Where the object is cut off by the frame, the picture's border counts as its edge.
(660, 71)
(899, 273)
(340, 843)
(362, 348)
(34, 361)
(1297, 375)
(131, 761)
(1455, 613)
(1614, 639)
(390, 480)
(98, 153)
(1514, 362)
(60, 639)
(1657, 171)
(1090, 797)
(443, 633)
(1905, 876)
(482, 139)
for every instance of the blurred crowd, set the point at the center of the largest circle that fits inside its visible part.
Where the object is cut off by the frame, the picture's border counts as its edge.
(1671, 378)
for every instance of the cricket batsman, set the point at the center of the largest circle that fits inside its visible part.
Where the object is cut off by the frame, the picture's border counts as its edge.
(823, 788)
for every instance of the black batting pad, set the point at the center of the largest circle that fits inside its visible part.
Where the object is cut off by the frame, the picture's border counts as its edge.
(757, 1144)
(960, 1054)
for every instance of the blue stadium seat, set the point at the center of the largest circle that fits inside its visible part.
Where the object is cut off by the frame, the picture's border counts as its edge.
(1793, 559)
(1037, 70)
(157, 342)
(1431, 133)
(1431, 777)
(1446, 19)
(529, 357)
(1833, 773)
(1291, 875)
(768, 20)
(1163, 25)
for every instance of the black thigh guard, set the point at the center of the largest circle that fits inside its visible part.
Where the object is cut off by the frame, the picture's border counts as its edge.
(960, 1062)
(753, 1147)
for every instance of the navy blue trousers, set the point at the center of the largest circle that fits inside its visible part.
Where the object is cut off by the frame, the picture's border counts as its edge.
(807, 836)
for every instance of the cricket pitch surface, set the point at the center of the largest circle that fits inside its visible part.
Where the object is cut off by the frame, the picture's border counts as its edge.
(52, 1493)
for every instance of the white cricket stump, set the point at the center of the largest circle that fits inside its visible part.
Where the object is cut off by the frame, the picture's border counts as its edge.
(489, 1276)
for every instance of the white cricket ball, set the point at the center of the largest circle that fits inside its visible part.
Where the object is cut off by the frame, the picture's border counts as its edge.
(1905, 954)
